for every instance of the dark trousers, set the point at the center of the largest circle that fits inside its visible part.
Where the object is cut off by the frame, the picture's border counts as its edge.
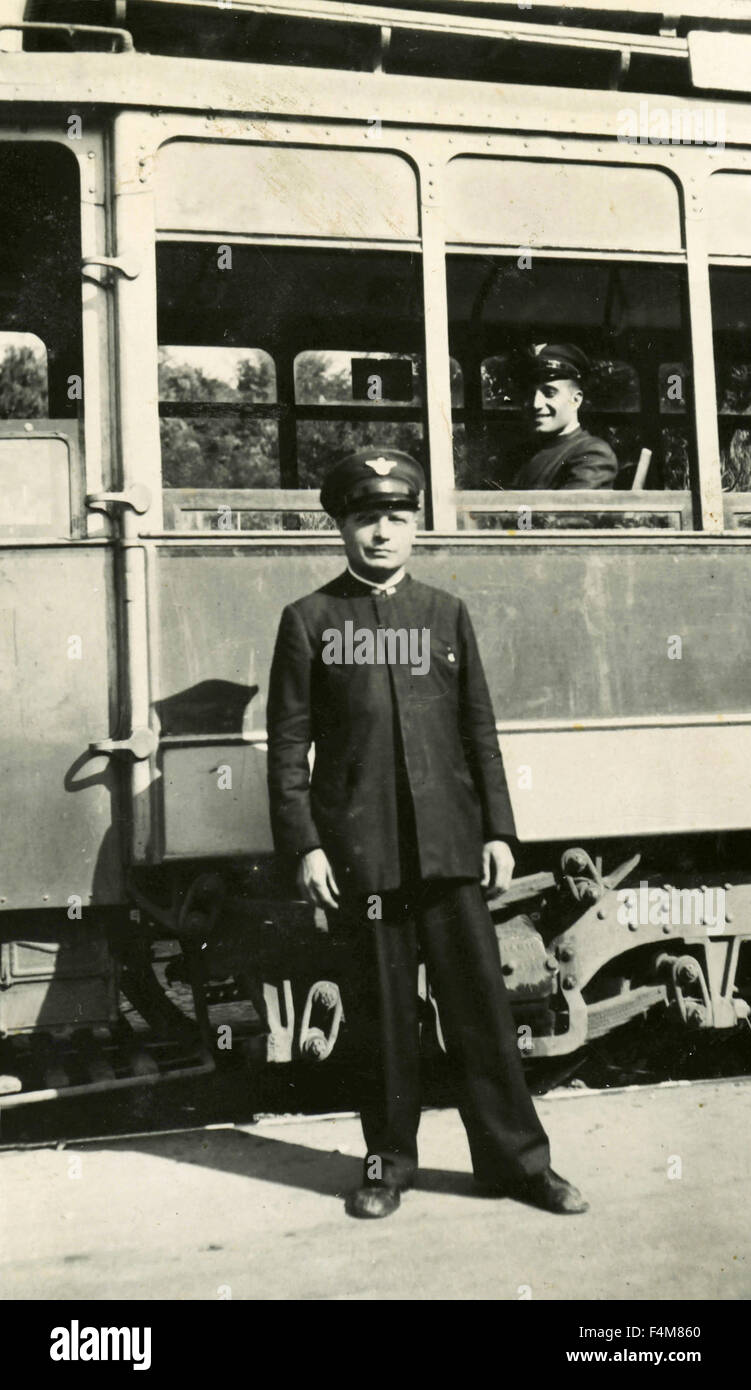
(451, 923)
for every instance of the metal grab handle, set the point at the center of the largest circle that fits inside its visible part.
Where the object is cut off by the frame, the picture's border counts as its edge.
(102, 31)
(128, 265)
(141, 744)
(137, 497)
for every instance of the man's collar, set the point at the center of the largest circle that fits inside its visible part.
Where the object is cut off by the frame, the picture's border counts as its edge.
(383, 588)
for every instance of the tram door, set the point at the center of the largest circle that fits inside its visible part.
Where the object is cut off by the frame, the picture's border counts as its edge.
(290, 327)
(57, 657)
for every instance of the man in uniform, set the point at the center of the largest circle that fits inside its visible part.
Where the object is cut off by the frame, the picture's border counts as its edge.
(565, 456)
(406, 814)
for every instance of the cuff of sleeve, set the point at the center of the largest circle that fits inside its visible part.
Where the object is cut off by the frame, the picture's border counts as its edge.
(508, 839)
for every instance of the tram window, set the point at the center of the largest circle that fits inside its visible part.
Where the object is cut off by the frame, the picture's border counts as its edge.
(339, 378)
(508, 202)
(630, 319)
(23, 377)
(319, 320)
(41, 371)
(378, 382)
(285, 190)
(731, 318)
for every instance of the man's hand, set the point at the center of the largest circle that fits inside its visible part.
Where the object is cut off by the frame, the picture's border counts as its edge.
(497, 865)
(315, 879)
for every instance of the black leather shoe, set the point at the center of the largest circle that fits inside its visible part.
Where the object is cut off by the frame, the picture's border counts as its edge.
(553, 1193)
(371, 1202)
(547, 1190)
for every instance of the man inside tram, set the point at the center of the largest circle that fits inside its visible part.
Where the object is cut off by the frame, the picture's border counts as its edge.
(564, 455)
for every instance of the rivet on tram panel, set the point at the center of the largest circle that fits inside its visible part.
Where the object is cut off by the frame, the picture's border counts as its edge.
(601, 913)
(666, 928)
(551, 963)
(569, 982)
(566, 953)
(728, 916)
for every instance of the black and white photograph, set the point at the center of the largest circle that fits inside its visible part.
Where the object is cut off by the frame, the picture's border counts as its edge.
(375, 656)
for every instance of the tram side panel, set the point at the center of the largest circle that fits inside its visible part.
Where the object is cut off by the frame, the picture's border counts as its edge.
(62, 848)
(631, 653)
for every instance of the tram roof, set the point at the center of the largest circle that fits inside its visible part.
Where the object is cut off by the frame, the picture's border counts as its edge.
(643, 45)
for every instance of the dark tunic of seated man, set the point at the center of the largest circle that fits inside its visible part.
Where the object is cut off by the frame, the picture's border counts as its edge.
(565, 456)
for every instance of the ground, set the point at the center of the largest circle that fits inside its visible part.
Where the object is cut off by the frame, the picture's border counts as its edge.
(255, 1211)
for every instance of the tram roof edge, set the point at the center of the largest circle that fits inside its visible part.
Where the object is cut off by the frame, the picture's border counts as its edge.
(732, 12)
(251, 92)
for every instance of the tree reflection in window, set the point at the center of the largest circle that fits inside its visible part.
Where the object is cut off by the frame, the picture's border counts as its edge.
(23, 377)
(206, 446)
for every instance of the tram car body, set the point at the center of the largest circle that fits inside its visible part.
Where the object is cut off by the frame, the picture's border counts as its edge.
(221, 226)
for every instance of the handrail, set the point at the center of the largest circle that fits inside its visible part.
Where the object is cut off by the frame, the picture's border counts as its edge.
(101, 30)
(383, 17)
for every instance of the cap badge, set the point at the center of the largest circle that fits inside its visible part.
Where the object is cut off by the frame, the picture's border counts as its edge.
(381, 466)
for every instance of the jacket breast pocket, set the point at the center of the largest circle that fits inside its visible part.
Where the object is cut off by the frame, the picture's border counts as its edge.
(444, 656)
(440, 678)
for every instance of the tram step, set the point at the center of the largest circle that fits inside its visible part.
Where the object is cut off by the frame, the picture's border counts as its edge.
(116, 1064)
(143, 1064)
(99, 1069)
(56, 1078)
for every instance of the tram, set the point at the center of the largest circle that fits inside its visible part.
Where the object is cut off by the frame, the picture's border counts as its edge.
(222, 222)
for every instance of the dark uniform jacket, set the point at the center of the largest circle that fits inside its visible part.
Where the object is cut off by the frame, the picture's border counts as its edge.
(383, 734)
(573, 460)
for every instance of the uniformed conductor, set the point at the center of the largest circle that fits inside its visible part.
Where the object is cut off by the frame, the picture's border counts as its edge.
(406, 814)
(565, 455)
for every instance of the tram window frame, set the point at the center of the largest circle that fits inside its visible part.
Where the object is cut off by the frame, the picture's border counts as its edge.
(42, 250)
(292, 504)
(480, 508)
(728, 343)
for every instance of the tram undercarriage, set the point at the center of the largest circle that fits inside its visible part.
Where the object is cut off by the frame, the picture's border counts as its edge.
(203, 965)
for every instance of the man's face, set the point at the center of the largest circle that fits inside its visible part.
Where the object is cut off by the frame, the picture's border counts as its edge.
(553, 406)
(378, 542)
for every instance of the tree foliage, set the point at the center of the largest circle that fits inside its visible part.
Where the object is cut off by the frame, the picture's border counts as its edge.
(23, 385)
(234, 451)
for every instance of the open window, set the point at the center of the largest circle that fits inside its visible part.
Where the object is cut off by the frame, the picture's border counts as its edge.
(569, 251)
(41, 376)
(290, 358)
(630, 319)
(729, 232)
(298, 320)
